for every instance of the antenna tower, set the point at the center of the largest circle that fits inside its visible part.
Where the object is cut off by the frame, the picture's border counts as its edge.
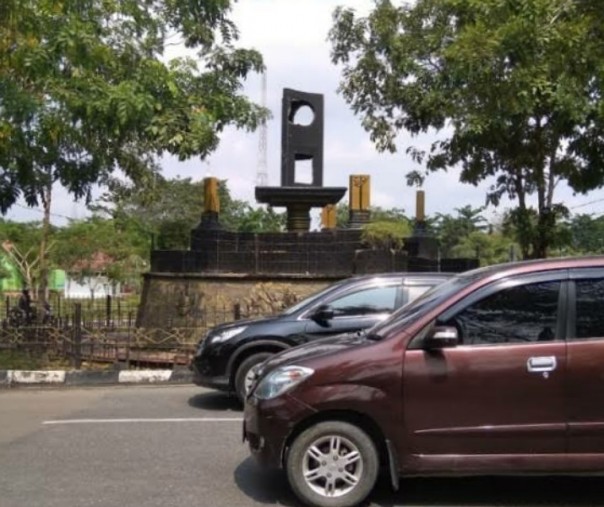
(262, 168)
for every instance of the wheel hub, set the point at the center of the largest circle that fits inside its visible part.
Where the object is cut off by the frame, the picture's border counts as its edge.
(332, 466)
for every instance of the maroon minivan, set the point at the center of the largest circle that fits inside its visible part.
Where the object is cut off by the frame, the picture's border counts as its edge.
(499, 370)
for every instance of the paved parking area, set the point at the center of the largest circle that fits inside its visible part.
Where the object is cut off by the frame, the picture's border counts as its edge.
(181, 445)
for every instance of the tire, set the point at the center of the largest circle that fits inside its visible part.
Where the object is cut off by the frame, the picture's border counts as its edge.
(241, 376)
(311, 466)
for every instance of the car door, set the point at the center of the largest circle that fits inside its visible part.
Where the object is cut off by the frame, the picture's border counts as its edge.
(499, 393)
(586, 363)
(356, 309)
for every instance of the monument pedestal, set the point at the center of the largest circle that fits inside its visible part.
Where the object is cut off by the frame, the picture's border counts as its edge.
(298, 201)
(209, 221)
(421, 243)
(358, 218)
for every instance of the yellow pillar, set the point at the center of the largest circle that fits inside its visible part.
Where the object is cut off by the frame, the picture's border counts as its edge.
(211, 201)
(328, 217)
(359, 192)
(420, 206)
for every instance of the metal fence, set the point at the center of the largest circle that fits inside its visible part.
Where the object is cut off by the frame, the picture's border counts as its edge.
(88, 335)
(107, 311)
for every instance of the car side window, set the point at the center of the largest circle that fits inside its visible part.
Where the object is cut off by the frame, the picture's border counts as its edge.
(590, 306)
(520, 314)
(415, 291)
(367, 301)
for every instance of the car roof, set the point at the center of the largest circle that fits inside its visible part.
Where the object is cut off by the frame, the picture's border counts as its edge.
(534, 266)
(402, 274)
(495, 271)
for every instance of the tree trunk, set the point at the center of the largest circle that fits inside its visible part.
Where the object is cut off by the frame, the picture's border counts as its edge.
(544, 229)
(522, 219)
(547, 218)
(42, 295)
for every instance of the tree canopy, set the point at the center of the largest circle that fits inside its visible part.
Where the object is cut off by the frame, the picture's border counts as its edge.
(80, 245)
(168, 208)
(452, 229)
(513, 88)
(587, 233)
(86, 88)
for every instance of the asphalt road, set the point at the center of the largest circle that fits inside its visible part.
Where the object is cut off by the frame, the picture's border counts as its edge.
(177, 446)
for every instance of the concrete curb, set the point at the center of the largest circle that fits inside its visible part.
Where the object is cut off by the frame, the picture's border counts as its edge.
(16, 378)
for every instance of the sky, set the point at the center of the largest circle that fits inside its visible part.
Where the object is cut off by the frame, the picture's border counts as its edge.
(292, 37)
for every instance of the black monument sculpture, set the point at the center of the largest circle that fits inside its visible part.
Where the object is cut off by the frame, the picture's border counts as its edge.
(300, 142)
(223, 266)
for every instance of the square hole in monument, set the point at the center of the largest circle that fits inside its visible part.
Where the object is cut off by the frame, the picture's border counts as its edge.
(303, 172)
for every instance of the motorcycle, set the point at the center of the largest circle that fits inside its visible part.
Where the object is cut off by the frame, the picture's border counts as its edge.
(18, 317)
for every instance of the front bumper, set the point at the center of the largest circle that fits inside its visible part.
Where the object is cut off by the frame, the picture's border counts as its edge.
(268, 424)
(220, 383)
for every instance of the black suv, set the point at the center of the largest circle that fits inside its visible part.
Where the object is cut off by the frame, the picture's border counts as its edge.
(226, 356)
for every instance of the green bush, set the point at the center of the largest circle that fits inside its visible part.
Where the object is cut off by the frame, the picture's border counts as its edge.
(386, 234)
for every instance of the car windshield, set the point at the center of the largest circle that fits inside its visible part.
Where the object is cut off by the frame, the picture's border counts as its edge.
(423, 304)
(312, 298)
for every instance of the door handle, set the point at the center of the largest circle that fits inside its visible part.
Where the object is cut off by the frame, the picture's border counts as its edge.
(541, 364)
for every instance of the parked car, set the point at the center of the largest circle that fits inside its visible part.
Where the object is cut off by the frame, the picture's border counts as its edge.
(496, 371)
(225, 358)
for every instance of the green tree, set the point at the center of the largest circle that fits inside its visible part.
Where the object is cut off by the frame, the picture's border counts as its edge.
(85, 90)
(242, 217)
(518, 225)
(513, 87)
(80, 244)
(451, 230)
(587, 234)
(342, 215)
(160, 208)
(488, 248)
(389, 234)
(376, 213)
(167, 209)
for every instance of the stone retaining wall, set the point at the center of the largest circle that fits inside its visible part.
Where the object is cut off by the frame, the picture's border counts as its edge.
(184, 300)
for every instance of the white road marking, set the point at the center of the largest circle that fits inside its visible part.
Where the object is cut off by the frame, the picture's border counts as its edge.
(145, 420)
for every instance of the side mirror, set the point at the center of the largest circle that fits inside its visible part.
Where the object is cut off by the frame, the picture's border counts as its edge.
(442, 337)
(322, 314)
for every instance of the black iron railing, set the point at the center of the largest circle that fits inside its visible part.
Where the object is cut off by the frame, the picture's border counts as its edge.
(85, 337)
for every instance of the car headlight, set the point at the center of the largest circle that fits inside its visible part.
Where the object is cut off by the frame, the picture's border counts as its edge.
(281, 380)
(227, 334)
